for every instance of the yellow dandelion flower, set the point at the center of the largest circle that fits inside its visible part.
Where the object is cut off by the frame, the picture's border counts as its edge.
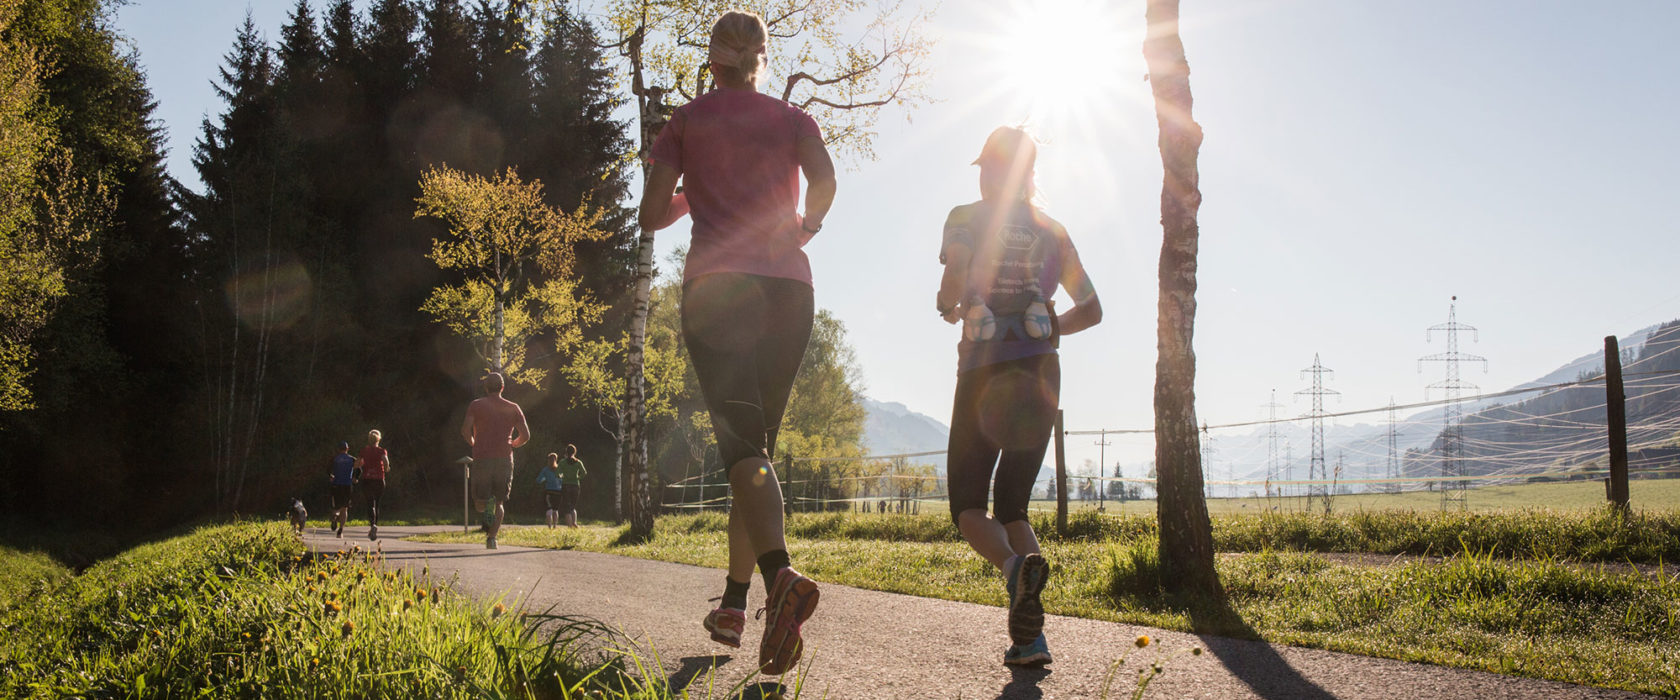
(1142, 641)
(407, 604)
(347, 628)
(498, 610)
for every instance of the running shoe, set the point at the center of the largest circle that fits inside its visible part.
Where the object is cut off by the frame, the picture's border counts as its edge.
(791, 600)
(1026, 611)
(489, 543)
(726, 625)
(1035, 654)
(373, 532)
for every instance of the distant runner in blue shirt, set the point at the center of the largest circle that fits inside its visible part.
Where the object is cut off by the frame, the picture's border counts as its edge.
(343, 470)
(550, 480)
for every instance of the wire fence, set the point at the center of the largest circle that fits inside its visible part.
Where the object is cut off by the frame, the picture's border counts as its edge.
(1550, 433)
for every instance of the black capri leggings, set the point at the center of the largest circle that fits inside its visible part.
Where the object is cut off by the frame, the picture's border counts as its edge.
(1000, 422)
(746, 335)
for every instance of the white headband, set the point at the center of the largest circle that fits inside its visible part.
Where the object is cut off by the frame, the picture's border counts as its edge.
(726, 56)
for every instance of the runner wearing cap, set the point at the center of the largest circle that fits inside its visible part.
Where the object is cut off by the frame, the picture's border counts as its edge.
(342, 471)
(1004, 259)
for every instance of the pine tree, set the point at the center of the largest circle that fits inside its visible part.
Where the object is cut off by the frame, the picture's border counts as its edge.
(578, 149)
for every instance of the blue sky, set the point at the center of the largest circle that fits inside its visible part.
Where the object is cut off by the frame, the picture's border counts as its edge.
(1363, 162)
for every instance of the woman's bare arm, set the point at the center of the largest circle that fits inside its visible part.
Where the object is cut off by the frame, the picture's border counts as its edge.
(661, 205)
(819, 174)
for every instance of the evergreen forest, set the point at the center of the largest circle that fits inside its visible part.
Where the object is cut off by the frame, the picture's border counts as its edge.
(171, 353)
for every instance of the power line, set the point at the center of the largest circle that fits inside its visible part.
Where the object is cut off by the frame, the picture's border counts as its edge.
(1315, 463)
(1452, 435)
(1272, 465)
(1393, 449)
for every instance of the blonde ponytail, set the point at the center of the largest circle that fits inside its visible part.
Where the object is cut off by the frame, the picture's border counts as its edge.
(737, 47)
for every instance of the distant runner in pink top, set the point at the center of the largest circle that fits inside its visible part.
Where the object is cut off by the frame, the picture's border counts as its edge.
(747, 303)
(493, 427)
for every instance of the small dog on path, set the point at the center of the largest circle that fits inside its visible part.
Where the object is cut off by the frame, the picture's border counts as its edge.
(299, 516)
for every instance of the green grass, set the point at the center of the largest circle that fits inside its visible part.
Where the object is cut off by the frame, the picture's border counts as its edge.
(244, 611)
(24, 575)
(1589, 536)
(1643, 494)
(1543, 618)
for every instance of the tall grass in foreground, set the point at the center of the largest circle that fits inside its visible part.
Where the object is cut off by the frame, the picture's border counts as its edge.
(245, 611)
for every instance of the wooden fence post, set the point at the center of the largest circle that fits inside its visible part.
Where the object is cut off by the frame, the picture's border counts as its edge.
(1061, 477)
(1615, 408)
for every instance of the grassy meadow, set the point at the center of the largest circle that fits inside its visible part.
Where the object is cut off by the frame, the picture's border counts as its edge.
(1643, 494)
(1532, 593)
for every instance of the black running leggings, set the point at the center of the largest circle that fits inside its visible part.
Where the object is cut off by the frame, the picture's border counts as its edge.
(1001, 420)
(746, 335)
(373, 490)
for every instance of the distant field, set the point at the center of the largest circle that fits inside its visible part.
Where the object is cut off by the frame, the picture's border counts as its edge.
(1649, 494)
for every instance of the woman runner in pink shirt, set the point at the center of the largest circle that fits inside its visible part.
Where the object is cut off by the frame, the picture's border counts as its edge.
(747, 303)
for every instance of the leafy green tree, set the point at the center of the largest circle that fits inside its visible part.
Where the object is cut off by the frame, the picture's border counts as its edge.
(97, 251)
(31, 271)
(517, 255)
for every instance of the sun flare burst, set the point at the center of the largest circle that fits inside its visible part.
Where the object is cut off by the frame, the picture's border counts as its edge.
(1062, 60)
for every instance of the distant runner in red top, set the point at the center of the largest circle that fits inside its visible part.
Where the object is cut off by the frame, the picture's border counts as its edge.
(747, 302)
(374, 463)
(494, 427)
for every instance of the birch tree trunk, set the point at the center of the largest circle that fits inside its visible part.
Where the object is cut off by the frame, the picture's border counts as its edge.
(634, 482)
(635, 409)
(499, 294)
(1186, 547)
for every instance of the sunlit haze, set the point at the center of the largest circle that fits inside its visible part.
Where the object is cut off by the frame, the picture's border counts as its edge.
(1363, 163)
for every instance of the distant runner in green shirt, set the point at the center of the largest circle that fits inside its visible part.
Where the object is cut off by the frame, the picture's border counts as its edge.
(571, 485)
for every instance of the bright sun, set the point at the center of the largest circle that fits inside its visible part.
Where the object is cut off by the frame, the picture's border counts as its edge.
(1064, 59)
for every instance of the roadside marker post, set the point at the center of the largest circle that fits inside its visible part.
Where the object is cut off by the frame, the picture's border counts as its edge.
(466, 494)
(1615, 410)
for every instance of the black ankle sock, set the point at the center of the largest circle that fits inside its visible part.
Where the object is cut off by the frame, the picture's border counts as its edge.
(735, 593)
(771, 562)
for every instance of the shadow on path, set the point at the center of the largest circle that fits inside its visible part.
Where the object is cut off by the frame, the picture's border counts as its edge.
(1023, 683)
(1253, 662)
(692, 667)
(766, 690)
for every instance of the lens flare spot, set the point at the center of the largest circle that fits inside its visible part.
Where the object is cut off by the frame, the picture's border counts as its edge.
(275, 297)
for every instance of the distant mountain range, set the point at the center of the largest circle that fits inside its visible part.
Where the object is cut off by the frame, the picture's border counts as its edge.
(892, 428)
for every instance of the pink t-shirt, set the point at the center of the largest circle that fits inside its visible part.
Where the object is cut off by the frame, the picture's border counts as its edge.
(736, 150)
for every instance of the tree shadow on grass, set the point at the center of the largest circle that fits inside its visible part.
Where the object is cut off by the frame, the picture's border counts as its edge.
(629, 538)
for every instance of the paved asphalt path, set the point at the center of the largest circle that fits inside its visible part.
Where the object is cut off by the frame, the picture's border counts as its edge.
(867, 644)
